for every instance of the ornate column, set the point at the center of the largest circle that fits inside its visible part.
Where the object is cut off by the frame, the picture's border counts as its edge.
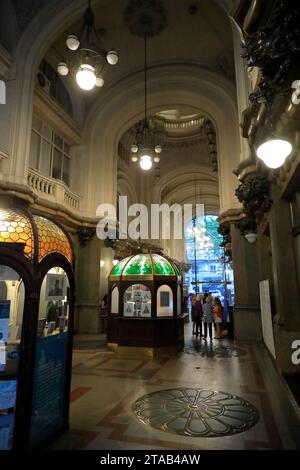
(254, 194)
(88, 258)
(286, 291)
(247, 320)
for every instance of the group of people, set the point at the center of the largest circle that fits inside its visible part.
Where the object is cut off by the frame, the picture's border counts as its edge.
(208, 311)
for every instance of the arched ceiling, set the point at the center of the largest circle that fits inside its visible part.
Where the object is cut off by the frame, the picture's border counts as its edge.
(203, 39)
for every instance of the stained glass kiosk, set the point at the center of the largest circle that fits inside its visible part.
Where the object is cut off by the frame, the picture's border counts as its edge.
(36, 326)
(145, 295)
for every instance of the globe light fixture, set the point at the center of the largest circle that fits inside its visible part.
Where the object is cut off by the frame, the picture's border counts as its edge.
(146, 162)
(145, 150)
(251, 237)
(112, 57)
(86, 77)
(72, 42)
(99, 82)
(87, 59)
(274, 152)
(63, 69)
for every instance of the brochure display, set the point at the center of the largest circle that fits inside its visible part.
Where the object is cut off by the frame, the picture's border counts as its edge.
(49, 385)
(147, 309)
(37, 307)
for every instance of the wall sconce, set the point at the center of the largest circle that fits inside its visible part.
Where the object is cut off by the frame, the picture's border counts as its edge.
(251, 237)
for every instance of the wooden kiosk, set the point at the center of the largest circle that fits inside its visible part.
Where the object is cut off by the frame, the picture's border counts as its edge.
(36, 325)
(145, 300)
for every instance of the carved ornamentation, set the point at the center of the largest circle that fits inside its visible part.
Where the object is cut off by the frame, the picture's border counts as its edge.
(212, 144)
(255, 195)
(275, 50)
(224, 230)
(145, 17)
(85, 235)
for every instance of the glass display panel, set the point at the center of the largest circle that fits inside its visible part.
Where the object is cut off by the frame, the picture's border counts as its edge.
(48, 398)
(137, 301)
(12, 297)
(54, 303)
(165, 302)
(165, 299)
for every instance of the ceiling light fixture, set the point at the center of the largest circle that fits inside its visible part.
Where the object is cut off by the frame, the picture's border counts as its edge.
(145, 150)
(88, 59)
(274, 152)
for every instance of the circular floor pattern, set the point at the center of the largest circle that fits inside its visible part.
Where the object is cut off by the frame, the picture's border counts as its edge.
(195, 412)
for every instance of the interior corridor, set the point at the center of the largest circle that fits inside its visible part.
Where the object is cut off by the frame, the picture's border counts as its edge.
(105, 387)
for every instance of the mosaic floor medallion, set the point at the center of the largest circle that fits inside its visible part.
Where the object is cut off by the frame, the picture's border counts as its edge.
(196, 413)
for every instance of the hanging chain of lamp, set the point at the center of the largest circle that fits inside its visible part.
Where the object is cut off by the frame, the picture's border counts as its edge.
(145, 19)
(200, 231)
(87, 58)
(145, 149)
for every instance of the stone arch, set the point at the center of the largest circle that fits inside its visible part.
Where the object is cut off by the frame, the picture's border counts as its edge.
(168, 86)
(205, 90)
(125, 187)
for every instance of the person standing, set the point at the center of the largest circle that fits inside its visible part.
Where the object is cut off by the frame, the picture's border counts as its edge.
(193, 308)
(208, 317)
(199, 315)
(218, 317)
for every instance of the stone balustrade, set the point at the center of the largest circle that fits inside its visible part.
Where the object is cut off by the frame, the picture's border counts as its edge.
(52, 190)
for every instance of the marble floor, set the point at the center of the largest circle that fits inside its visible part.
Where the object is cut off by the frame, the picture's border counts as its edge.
(106, 387)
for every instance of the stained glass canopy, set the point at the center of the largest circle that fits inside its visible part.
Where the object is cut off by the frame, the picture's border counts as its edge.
(17, 226)
(147, 266)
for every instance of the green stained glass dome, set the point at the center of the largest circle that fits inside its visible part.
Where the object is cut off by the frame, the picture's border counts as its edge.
(148, 265)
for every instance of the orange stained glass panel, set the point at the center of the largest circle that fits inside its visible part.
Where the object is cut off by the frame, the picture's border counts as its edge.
(52, 239)
(15, 227)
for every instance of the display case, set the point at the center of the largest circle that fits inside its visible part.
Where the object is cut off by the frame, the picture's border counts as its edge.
(36, 323)
(145, 301)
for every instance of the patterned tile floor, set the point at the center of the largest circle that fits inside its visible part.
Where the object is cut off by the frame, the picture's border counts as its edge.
(105, 388)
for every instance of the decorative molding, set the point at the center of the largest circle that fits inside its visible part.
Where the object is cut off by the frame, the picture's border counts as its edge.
(274, 49)
(255, 195)
(232, 215)
(212, 144)
(224, 230)
(145, 17)
(85, 235)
